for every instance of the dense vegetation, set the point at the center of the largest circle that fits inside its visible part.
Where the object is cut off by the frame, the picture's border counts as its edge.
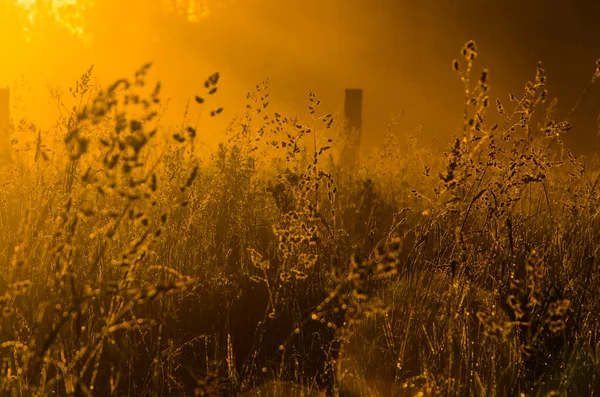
(134, 263)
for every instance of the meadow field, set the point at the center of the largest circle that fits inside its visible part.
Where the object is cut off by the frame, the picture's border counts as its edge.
(136, 262)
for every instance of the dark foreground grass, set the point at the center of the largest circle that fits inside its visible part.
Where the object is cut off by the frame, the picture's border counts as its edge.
(134, 265)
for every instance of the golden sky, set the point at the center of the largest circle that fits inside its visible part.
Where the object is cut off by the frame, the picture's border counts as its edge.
(398, 51)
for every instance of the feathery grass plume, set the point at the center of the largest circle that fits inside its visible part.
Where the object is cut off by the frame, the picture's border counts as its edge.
(140, 262)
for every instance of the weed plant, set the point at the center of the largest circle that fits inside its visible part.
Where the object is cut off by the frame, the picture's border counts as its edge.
(135, 262)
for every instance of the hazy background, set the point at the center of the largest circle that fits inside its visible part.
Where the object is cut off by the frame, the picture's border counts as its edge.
(399, 52)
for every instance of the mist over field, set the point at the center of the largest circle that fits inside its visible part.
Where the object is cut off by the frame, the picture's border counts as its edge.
(342, 198)
(397, 51)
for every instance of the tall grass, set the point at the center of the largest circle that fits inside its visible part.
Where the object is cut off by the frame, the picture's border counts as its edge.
(136, 263)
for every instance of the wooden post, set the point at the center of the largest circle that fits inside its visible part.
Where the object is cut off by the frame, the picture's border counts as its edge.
(353, 127)
(4, 124)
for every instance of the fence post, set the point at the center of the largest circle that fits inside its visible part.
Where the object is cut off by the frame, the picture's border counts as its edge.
(353, 127)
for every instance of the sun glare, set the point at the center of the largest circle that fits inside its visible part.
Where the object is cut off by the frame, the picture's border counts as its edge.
(68, 13)
(55, 3)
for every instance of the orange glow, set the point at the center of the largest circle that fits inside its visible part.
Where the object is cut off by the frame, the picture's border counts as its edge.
(398, 52)
(68, 13)
(330, 197)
